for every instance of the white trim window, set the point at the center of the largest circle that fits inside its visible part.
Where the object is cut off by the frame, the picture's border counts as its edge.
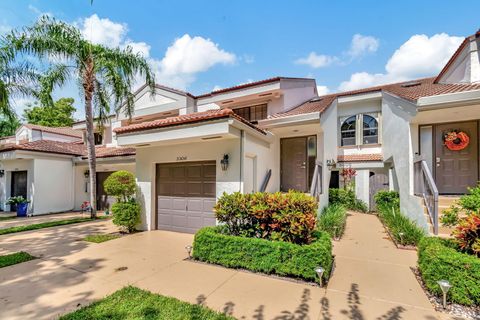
(360, 129)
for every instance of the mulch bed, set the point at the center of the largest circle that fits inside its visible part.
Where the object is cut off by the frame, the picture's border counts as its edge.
(454, 309)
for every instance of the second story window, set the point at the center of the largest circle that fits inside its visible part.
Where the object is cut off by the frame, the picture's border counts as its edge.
(348, 131)
(97, 138)
(252, 113)
(370, 130)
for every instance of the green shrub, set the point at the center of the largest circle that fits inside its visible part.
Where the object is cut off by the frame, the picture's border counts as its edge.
(212, 245)
(347, 198)
(451, 216)
(120, 184)
(402, 229)
(126, 214)
(471, 201)
(289, 217)
(438, 260)
(333, 220)
(391, 198)
(467, 234)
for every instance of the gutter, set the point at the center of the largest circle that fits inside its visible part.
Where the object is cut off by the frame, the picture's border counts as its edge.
(449, 100)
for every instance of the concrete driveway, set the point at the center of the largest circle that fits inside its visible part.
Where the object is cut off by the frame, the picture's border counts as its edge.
(70, 273)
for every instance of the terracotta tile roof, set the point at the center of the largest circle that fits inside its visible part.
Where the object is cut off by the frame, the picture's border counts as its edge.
(185, 119)
(360, 157)
(409, 90)
(66, 131)
(67, 148)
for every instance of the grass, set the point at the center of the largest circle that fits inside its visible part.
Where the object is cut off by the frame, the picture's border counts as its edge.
(14, 258)
(42, 225)
(98, 238)
(333, 220)
(403, 230)
(133, 303)
(8, 218)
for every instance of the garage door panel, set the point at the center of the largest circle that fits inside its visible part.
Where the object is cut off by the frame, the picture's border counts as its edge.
(164, 203)
(179, 204)
(209, 189)
(210, 171)
(194, 171)
(208, 205)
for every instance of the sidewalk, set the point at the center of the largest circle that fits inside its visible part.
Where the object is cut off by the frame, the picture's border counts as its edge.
(23, 221)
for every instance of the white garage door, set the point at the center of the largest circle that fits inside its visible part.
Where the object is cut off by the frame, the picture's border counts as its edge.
(186, 195)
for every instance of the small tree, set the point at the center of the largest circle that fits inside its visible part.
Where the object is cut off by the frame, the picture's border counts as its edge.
(348, 174)
(126, 211)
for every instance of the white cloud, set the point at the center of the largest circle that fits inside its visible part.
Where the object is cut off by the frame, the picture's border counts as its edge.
(39, 12)
(362, 45)
(103, 31)
(5, 28)
(322, 90)
(316, 61)
(139, 47)
(217, 87)
(20, 103)
(419, 56)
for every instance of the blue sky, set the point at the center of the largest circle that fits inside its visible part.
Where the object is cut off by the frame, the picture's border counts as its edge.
(202, 45)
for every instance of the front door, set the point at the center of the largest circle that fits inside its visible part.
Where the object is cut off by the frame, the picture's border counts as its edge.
(455, 171)
(104, 201)
(294, 170)
(18, 186)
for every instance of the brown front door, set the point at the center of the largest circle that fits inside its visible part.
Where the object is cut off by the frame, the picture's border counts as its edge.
(103, 200)
(294, 172)
(455, 171)
(18, 186)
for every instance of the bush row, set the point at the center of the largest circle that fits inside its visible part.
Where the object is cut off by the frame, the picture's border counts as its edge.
(439, 259)
(346, 198)
(212, 245)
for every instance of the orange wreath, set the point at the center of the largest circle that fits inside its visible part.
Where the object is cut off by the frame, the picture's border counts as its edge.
(456, 140)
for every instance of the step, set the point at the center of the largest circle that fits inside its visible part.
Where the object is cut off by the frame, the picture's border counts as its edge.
(447, 201)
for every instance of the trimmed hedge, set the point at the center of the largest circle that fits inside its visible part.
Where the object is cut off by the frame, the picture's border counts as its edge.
(260, 255)
(438, 259)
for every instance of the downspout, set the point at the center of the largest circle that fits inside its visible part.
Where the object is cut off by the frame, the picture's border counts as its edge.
(242, 137)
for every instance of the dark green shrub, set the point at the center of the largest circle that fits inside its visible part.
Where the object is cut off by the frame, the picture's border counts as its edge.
(347, 198)
(120, 184)
(471, 201)
(438, 260)
(390, 198)
(126, 214)
(451, 216)
(212, 245)
(289, 217)
(333, 220)
(403, 230)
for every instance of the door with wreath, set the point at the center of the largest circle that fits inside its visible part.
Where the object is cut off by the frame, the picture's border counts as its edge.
(456, 157)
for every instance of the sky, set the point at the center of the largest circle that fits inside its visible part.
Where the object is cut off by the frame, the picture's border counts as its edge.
(200, 46)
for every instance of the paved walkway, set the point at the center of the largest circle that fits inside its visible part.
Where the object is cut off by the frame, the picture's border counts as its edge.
(371, 281)
(22, 221)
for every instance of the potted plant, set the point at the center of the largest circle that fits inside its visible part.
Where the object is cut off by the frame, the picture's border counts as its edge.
(21, 205)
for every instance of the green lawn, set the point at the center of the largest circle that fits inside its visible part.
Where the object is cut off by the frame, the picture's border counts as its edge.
(98, 238)
(7, 218)
(45, 225)
(133, 303)
(14, 258)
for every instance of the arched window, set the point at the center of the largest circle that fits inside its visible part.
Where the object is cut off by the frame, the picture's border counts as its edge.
(370, 130)
(348, 131)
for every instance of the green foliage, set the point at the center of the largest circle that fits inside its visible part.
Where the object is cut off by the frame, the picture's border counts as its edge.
(471, 201)
(451, 216)
(98, 238)
(60, 114)
(120, 184)
(8, 126)
(14, 258)
(467, 234)
(438, 260)
(17, 200)
(333, 220)
(132, 303)
(346, 198)
(402, 229)
(388, 198)
(212, 245)
(289, 217)
(42, 225)
(126, 214)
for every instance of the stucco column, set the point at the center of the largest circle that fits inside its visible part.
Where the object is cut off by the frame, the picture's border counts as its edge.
(362, 185)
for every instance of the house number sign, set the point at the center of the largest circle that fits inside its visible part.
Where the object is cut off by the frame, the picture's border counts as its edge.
(181, 158)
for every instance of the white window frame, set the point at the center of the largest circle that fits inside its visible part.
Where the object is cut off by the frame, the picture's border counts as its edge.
(359, 128)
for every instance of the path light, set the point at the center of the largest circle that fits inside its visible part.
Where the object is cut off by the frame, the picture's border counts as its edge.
(401, 237)
(445, 286)
(189, 251)
(320, 271)
(335, 234)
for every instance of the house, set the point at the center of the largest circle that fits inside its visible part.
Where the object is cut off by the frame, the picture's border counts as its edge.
(278, 134)
(48, 167)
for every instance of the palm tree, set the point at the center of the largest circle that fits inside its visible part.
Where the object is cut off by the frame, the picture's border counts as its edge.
(104, 75)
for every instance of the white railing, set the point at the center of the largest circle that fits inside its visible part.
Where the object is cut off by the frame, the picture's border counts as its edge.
(316, 188)
(424, 185)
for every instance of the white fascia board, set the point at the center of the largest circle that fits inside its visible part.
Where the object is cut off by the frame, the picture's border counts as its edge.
(174, 134)
(361, 164)
(290, 120)
(107, 160)
(268, 137)
(240, 93)
(25, 154)
(449, 99)
(360, 97)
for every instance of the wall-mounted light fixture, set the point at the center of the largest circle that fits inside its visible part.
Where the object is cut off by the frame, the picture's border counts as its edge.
(224, 162)
(86, 173)
(331, 163)
(2, 173)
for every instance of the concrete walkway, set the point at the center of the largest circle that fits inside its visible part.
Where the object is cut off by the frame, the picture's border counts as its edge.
(22, 221)
(371, 281)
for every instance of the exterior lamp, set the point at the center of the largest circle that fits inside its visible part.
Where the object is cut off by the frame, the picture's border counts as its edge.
(86, 174)
(320, 271)
(400, 234)
(224, 162)
(331, 164)
(445, 286)
(189, 251)
(2, 173)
